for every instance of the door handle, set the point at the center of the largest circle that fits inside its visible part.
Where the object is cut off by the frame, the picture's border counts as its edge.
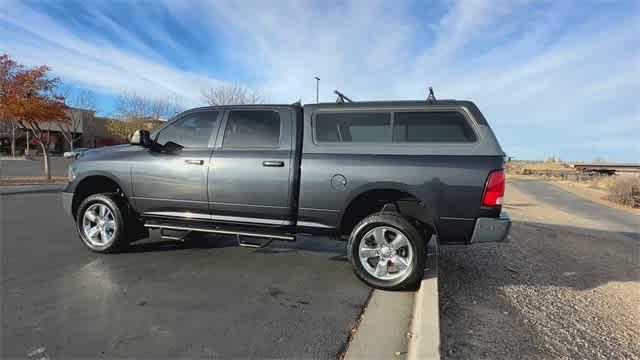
(272, 163)
(194, 162)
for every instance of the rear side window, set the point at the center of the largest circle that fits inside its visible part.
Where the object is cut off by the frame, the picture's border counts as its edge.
(353, 127)
(432, 126)
(252, 129)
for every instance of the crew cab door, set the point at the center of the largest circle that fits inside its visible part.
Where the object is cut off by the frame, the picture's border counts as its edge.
(173, 182)
(251, 175)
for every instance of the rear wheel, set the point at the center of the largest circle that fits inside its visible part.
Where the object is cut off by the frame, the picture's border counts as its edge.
(100, 222)
(387, 251)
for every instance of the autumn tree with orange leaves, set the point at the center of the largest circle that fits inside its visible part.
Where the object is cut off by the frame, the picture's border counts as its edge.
(27, 97)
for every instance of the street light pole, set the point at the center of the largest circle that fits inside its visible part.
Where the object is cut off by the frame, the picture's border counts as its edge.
(317, 88)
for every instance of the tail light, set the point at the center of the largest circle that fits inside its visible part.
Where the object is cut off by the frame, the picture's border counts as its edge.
(494, 189)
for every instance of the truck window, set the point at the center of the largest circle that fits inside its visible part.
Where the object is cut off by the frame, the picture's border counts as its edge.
(432, 126)
(371, 127)
(252, 129)
(192, 131)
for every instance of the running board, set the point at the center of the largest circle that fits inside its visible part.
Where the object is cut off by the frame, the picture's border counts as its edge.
(222, 231)
(171, 237)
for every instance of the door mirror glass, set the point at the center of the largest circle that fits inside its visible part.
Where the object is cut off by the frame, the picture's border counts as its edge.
(140, 137)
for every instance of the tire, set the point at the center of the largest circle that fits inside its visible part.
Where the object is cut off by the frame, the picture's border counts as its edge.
(108, 218)
(368, 253)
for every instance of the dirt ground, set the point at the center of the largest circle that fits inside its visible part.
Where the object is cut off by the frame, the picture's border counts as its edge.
(561, 289)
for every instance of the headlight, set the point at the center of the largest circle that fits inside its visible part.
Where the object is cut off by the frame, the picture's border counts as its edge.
(71, 173)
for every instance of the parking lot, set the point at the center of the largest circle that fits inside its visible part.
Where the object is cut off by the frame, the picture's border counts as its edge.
(164, 299)
(566, 286)
(33, 167)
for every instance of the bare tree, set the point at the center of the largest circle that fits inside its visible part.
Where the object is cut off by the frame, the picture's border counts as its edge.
(79, 99)
(136, 107)
(134, 112)
(233, 94)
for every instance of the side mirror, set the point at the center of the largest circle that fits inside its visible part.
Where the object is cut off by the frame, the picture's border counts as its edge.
(171, 147)
(140, 137)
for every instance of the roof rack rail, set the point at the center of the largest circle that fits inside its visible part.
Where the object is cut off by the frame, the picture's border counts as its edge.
(431, 98)
(341, 97)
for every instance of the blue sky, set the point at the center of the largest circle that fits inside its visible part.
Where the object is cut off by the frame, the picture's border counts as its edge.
(552, 77)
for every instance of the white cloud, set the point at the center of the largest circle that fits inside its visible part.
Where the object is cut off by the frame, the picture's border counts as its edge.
(536, 70)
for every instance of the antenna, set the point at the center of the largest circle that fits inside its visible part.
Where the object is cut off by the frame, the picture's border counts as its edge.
(431, 97)
(341, 97)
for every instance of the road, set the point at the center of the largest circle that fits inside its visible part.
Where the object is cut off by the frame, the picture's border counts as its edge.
(612, 218)
(33, 167)
(567, 285)
(209, 298)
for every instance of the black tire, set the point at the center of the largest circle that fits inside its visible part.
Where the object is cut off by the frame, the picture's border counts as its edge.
(119, 234)
(391, 222)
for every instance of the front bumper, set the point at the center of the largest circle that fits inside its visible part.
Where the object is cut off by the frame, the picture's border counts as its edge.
(492, 229)
(67, 199)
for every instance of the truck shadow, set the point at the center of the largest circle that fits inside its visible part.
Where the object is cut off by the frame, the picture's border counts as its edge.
(545, 255)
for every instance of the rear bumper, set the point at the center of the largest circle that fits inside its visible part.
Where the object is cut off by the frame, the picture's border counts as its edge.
(491, 229)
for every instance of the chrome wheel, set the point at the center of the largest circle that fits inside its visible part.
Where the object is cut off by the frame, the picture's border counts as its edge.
(386, 253)
(98, 225)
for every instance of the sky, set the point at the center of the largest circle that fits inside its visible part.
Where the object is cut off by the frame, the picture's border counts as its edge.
(553, 78)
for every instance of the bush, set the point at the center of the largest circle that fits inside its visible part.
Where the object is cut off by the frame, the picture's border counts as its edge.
(625, 190)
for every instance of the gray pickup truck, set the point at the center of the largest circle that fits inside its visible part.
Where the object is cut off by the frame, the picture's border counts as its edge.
(387, 176)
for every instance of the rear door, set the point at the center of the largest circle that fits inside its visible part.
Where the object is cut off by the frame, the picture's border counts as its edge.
(250, 177)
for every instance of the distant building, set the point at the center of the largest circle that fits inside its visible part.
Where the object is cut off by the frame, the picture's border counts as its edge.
(89, 130)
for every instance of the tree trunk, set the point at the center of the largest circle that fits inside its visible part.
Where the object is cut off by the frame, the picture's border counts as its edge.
(26, 152)
(13, 139)
(45, 155)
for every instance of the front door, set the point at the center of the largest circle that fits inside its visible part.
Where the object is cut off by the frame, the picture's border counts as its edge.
(250, 175)
(173, 182)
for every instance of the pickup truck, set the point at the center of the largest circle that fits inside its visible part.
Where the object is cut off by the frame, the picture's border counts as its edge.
(389, 176)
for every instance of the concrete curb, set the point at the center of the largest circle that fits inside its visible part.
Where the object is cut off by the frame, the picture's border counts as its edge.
(23, 189)
(425, 326)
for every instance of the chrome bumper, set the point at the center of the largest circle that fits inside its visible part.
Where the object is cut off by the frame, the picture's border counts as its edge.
(492, 229)
(67, 198)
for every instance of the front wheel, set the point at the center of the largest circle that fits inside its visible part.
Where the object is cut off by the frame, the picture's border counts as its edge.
(387, 252)
(101, 224)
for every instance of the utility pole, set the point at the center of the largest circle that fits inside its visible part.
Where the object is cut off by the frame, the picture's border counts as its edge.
(317, 88)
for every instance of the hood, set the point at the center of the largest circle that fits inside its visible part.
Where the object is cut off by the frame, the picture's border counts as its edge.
(106, 151)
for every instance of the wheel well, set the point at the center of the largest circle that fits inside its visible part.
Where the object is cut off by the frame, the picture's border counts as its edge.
(93, 185)
(371, 201)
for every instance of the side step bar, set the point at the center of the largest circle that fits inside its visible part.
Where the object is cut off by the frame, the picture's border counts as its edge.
(222, 231)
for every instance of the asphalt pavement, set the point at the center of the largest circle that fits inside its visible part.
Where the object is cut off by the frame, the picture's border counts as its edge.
(207, 298)
(616, 219)
(34, 167)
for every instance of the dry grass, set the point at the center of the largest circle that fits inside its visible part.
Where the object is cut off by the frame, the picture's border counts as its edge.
(624, 190)
(517, 166)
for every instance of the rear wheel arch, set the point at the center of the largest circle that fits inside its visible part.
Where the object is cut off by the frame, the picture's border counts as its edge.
(369, 201)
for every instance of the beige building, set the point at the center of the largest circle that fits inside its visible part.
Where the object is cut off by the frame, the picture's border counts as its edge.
(86, 129)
